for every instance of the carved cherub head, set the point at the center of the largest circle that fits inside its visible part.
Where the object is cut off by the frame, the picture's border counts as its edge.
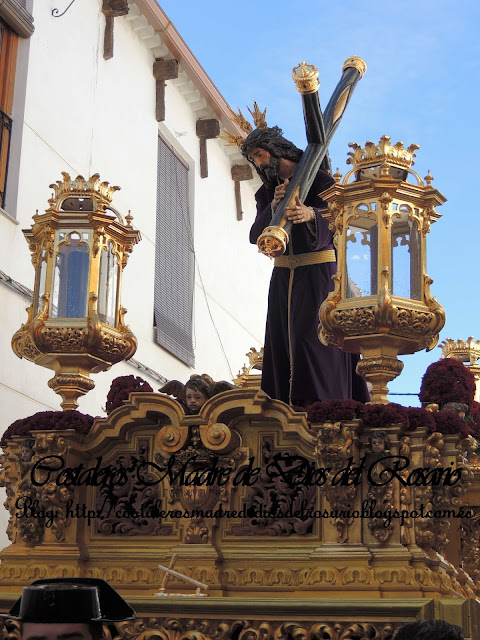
(197, 392)
(26, 449)
(378, 441)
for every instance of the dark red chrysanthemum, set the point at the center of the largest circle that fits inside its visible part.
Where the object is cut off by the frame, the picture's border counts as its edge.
(448, 380)
(121, 388)
(449, 422)
(333, 410)
(49, 421)
(379, 416)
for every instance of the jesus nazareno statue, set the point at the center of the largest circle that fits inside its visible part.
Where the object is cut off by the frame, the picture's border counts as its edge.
(297, 367)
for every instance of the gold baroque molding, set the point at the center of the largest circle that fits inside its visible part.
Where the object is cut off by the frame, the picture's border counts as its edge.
(355, 321)
(174, 628)
(387, 364)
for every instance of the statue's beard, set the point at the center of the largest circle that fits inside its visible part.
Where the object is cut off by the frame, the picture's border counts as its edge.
(271, 169)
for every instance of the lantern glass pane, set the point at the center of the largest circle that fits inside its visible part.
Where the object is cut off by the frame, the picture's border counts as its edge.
(361, 246)
(71, 279)
(406, 271)
(108, 285)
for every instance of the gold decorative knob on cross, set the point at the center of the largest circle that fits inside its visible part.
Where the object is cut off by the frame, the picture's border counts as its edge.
(357, 63)
(305, 77)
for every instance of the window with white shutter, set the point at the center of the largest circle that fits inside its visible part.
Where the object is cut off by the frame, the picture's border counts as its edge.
(174, 260)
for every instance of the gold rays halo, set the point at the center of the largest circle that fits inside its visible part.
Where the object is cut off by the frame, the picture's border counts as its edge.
(259, 120)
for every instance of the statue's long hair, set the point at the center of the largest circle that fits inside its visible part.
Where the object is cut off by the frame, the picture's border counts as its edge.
(272, 140)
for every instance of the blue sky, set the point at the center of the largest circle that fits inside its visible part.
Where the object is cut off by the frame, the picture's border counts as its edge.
(422, 86)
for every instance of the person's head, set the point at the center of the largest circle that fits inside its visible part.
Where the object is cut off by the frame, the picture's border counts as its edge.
(275, 147)
(61, 631)
(459, 408)
(430, 630)
(197, 392)
(68, 609)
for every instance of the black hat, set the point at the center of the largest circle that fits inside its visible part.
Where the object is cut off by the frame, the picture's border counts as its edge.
(76, 600)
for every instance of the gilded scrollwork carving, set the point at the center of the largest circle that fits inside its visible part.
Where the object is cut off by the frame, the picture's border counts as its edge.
(116, 347)
(175, 629)
(380, 494)
(425, 535)
(10, 475)
(63, 339)
(334, 448)
(273, 504)
(450, 497)
(222, 629)
(410, 321)
(470, 541)
(132, 508)
(10, 629)
(355, 321)
(33, 509)
(197, 532)
(216, 436)
(193, 457)
(172, 438)
(406, 497)
(29, 349)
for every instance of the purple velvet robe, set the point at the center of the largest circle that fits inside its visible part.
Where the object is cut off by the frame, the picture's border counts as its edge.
(298, 368)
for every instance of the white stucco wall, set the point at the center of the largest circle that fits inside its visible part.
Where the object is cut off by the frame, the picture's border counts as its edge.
(85, 115)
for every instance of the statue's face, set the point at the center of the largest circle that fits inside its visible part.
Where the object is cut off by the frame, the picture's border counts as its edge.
(264, 161)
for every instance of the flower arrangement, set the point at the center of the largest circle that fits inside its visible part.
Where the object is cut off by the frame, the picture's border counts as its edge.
(49, 421)
(418, 417)
(121, 388)
(448, 380)
(378, 416)
(333, 410)
(449, 422)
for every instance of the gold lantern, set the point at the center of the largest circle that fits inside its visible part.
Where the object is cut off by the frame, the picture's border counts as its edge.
(75, 326)
(381, 305)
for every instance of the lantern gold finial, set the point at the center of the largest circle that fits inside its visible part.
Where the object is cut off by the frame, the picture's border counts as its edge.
(79, 187)
(383, 152)
(464, 350)
(429, 178)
